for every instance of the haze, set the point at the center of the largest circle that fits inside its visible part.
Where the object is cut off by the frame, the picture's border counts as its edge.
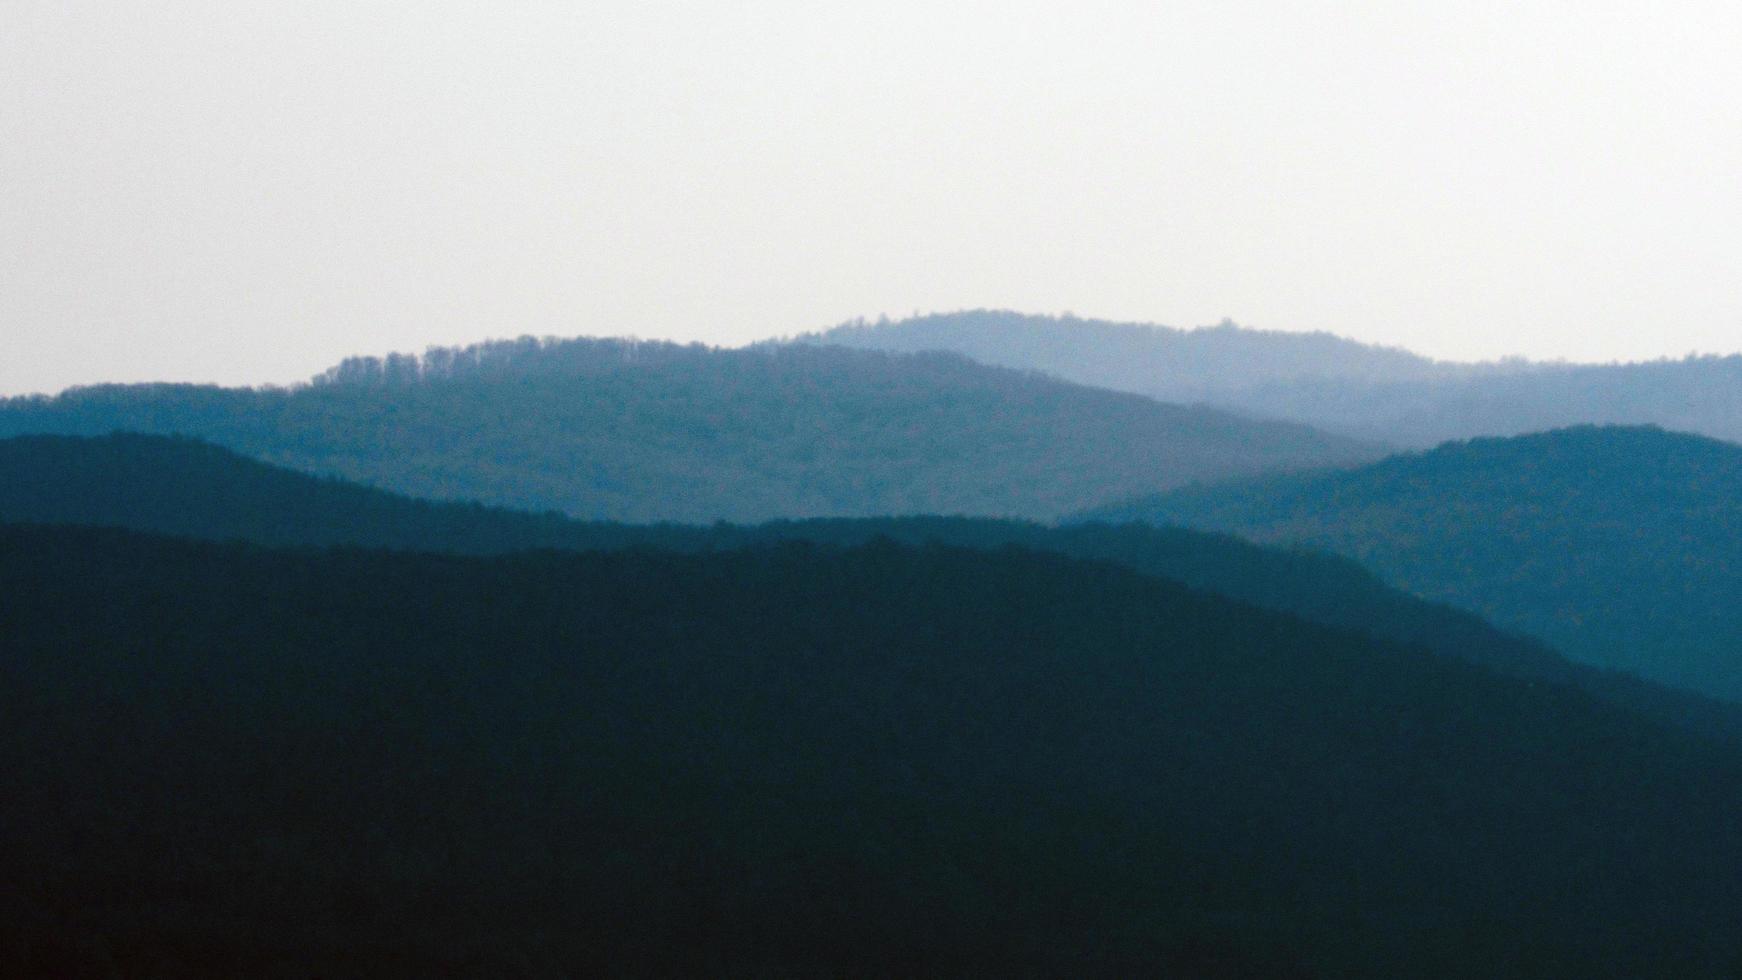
(248, 192)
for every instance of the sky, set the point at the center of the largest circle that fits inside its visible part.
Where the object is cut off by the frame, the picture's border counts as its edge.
(246, 192)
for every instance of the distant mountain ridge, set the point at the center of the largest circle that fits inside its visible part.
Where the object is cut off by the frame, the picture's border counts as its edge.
(1700, 395)
(1620, 546)
(1198, 365)
(654, 431)
(188, 488)
(1362, 390)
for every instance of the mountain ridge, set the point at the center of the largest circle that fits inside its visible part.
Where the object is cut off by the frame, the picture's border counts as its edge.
(179, 486)
(646, 431)
(1615, 544)
(1362, 390)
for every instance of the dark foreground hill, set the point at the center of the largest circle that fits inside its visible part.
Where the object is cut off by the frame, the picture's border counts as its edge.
(183, 487)
(801, 761)
(1339, 385)
(1620, 546)
(640, 431)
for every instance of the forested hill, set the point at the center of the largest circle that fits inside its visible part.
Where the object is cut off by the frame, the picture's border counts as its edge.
(1701, 395)
(1205, 364)
(1620, 546)
(802, 761)
(643, 431)
(1339, 385)
(184, 487)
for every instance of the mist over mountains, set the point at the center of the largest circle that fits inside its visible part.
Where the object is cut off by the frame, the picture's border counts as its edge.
(794, 645)
(1376, 393)
(591, 657)
(626, 430)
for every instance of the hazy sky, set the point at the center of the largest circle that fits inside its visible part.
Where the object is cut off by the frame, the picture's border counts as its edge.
(245, 192)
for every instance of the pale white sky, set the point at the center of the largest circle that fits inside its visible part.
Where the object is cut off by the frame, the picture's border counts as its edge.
(245, 192)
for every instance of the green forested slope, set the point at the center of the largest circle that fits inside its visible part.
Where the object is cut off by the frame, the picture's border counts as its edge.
(183, 487)
(641, 431)
(1620, 546)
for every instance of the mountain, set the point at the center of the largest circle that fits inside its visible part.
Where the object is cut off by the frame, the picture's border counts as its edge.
(803, 761)
(1701, 395)
(184, 487)
(1375, 393)
(641, 431)
(1202, 365)
(1621, 547)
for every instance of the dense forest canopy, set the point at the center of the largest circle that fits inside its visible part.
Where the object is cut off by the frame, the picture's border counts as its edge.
(652, 431)
(1370, 392)
(1620, 546)
(184, 487)
(800, 761)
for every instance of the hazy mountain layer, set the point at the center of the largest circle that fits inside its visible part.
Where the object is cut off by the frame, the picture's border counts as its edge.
(1702, 395)
(804, 761)
(179, 486)
(1620, 546)
(1340, 385)
(1163, 362)
(621, 430)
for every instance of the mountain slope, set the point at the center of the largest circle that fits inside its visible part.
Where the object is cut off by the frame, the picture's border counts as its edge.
(1620, 546)
(630, 431)
(1702, 395)
(1205, 364)
(790, 761)
(1339, 385)
(183, 487)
